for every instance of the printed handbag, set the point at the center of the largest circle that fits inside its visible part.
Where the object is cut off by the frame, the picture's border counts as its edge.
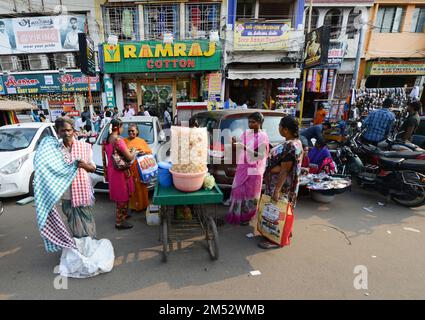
(119, 162)
(275, 220)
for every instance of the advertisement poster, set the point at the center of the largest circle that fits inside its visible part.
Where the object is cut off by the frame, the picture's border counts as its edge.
(49, 83)
(317, 46)
(109, 92)
(40, 34)
(261, 36)
(214, 86)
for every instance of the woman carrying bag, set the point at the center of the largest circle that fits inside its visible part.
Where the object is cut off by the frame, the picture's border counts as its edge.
(283, 174)
(121, 184)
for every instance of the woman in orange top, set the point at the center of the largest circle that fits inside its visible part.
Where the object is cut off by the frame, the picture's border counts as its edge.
(320, 115)
(139, 200)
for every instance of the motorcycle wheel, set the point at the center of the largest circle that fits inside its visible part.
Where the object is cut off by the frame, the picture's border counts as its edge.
(410, 201)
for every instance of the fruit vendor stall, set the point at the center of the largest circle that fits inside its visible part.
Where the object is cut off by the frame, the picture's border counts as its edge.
(185, 183)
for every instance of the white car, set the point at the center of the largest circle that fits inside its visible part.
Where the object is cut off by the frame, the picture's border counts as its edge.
(18, 143)
(149, 130)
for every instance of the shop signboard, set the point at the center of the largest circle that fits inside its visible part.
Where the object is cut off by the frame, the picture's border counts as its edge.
(2, 90)
(214, 86)
(261, 36)
(389, 68)
(156, 56)
(317, 46)
(87, 56)
(109, 92)
(336, 53)
(49, 83)
(40, 34)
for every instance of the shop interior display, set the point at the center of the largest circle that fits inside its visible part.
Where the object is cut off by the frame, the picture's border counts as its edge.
(286, 99)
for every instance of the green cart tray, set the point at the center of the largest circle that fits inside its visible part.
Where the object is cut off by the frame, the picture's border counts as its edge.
(173, 197)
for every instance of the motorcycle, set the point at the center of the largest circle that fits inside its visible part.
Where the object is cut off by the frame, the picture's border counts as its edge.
(396, 178)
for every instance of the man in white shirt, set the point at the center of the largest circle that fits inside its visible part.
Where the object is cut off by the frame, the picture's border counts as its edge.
(6, 47)
(128, 112)
(167, 119)
(71, 41)
(79, 123)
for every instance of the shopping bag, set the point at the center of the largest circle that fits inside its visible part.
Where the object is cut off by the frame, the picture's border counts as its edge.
(148, 168)
(275, 220)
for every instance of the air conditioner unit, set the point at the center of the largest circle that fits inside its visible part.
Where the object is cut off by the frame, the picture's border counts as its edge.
(10, 63)
(39, 62)
(65, 61)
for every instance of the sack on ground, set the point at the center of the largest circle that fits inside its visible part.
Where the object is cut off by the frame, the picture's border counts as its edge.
(275, 220)
(152, 216)
(91, 258)
(148, 168)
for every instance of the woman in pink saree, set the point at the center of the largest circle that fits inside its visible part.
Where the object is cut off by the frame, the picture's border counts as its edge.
(246, 188)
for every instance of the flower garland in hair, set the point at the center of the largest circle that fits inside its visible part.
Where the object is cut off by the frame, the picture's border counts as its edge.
(110, 129)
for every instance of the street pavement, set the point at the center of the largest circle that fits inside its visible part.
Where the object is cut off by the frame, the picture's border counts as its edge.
(329, 242)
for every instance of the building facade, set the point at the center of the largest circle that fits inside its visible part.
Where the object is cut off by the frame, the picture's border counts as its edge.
(395, 46)
(343, 20)
(263, 53)
(39, 53)
(161, 54)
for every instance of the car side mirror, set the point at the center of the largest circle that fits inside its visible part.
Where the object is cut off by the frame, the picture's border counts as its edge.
(162, 138)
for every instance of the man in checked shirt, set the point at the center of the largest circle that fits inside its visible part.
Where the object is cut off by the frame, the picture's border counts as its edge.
(379, 123)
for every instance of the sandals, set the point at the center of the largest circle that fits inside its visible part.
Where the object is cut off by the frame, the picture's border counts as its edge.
(268, 245)
(124, 225)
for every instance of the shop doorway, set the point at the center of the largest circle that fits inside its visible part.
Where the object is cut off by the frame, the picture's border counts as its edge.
(156, 97)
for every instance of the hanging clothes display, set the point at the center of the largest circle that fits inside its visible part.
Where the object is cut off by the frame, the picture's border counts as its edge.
(313, 83)
(309, 80)
(318, 81)
(324, 81)
(330, 81)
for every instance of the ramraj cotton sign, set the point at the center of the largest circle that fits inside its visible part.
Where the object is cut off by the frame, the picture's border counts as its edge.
(155, 56)
(387, 68)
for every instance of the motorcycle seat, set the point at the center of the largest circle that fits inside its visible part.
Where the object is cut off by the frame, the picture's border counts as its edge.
(400, 154)
(413, 164)
(390, 162)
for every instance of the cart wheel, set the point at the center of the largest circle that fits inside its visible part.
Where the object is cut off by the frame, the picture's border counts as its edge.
(212, 239)
(164, 240)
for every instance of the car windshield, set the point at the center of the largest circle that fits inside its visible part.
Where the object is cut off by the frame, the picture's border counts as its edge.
(146, 131)
(16, 138)
(237, 126)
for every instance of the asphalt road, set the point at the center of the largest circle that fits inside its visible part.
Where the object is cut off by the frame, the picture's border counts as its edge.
(329, 241)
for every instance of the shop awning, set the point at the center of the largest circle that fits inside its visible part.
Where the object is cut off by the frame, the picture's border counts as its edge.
(10, 105)
(275, 73)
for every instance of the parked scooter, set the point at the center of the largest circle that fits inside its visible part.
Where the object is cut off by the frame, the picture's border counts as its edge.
(396, 178)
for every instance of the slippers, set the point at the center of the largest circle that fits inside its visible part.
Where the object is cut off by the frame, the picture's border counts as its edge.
(268, 245)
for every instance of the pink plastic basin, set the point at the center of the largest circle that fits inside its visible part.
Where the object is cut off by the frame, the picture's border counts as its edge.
(188, 182)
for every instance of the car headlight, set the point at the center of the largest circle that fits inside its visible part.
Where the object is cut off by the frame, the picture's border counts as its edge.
(14, 166)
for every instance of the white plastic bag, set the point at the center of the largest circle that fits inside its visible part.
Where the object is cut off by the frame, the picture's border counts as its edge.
(91, 258)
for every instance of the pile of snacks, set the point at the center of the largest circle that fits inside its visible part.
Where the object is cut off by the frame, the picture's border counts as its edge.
(189, 149)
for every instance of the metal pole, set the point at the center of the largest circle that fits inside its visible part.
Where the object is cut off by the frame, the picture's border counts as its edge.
(302, 97)
(358, 55)
(310, 12)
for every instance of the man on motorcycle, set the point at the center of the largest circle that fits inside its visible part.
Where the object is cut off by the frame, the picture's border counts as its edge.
(379, 123)
(411, 123)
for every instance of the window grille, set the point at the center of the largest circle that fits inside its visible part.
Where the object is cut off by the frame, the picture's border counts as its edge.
(201, 19)
(418, 20)
(122, 22)
(389, 19)
(160, 19)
